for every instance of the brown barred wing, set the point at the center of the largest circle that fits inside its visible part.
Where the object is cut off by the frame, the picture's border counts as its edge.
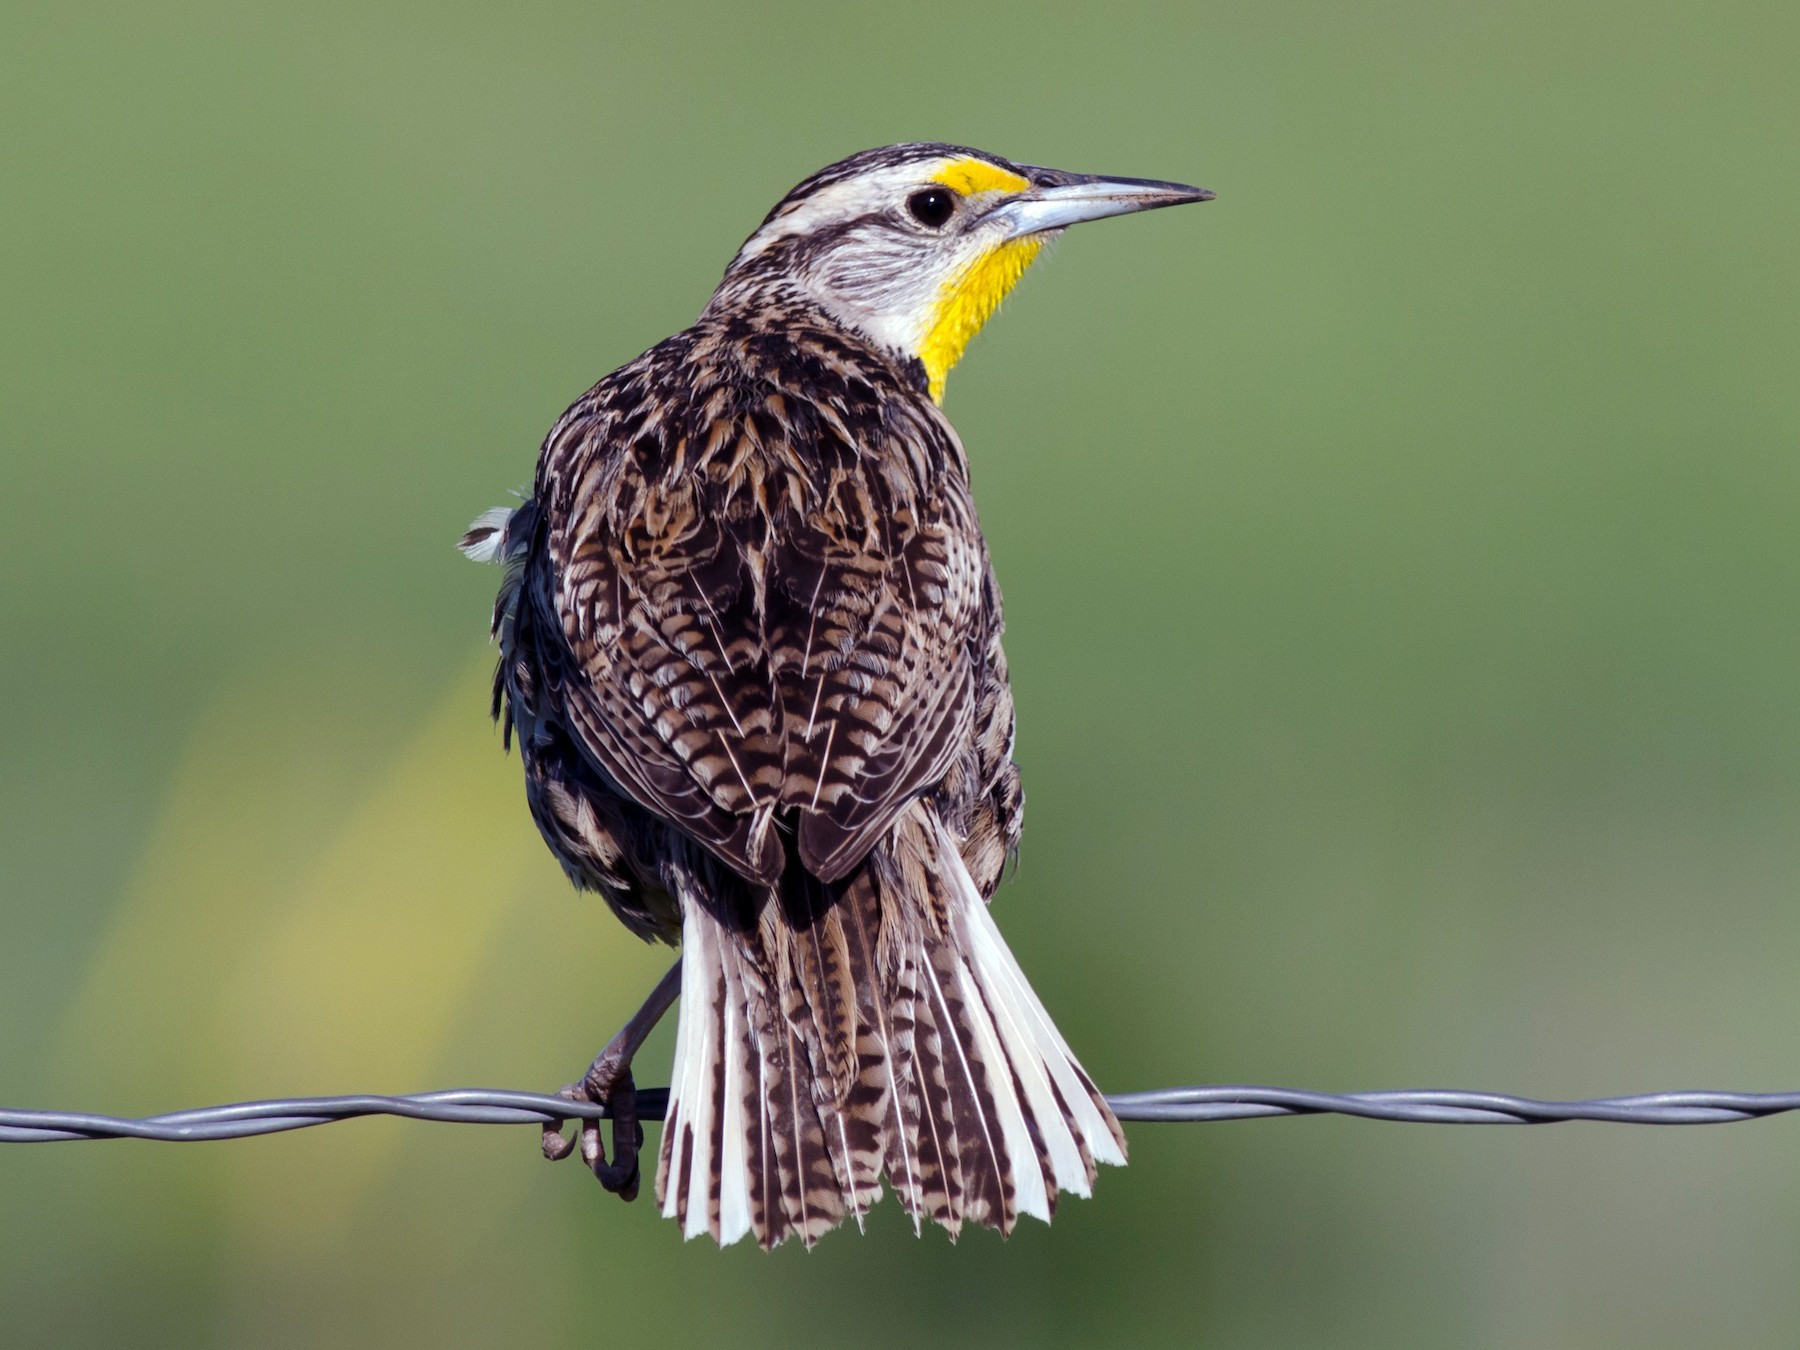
(651, 593)
(778, 607)
(687, 733)
(881, 698)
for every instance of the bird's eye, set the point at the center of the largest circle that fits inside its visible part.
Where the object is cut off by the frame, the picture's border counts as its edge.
(931, 207)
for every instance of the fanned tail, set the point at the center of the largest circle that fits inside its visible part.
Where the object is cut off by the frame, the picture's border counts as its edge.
(884, 1032)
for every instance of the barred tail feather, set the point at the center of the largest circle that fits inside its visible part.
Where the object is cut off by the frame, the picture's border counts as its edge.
(690, 1170)
(959, 1090)
(1079, 1129)
(744, 1148)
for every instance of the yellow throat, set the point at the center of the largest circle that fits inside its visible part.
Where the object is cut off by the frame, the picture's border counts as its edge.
(971, 298)
(969, 301)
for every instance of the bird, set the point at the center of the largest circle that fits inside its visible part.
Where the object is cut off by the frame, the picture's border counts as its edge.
(750, 653)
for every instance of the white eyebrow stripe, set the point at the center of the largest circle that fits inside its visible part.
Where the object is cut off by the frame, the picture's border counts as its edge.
(866, 192)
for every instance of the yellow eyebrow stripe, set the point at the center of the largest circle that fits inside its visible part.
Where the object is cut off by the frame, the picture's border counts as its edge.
(972, 176)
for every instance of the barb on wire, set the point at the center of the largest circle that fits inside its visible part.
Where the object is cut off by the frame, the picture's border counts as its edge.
(494, 1106)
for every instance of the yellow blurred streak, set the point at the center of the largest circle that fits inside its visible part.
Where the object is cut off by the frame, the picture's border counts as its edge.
(300, 925)
(359, 982)
(274, 766)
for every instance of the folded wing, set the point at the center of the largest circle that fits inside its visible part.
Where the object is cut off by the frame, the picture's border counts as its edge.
(774, 606)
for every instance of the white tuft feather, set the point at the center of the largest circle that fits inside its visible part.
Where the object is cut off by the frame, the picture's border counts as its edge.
(487, 535)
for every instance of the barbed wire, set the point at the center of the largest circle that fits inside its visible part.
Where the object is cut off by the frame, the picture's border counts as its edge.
(499, 1106)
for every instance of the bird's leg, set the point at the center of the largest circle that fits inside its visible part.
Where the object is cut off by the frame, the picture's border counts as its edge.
(608, 1081)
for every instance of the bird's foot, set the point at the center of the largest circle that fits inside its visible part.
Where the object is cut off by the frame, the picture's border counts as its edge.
(608, 1083)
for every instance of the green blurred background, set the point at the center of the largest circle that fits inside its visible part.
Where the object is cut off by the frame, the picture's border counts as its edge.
(1404, 601)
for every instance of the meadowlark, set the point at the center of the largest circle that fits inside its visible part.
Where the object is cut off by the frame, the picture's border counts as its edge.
(750, 651)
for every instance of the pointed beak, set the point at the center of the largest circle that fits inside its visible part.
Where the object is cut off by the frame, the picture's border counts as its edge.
(1057, 200)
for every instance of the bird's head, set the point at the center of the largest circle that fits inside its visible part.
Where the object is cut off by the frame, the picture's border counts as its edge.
(916, 245)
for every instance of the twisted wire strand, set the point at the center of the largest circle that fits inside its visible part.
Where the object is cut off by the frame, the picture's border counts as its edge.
(496, 1106)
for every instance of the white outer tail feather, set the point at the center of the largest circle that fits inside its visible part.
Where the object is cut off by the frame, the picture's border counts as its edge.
(1011, 1031)
(1045, 1066)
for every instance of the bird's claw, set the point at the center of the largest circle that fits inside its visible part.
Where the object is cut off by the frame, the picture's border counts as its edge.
(613, 1087)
